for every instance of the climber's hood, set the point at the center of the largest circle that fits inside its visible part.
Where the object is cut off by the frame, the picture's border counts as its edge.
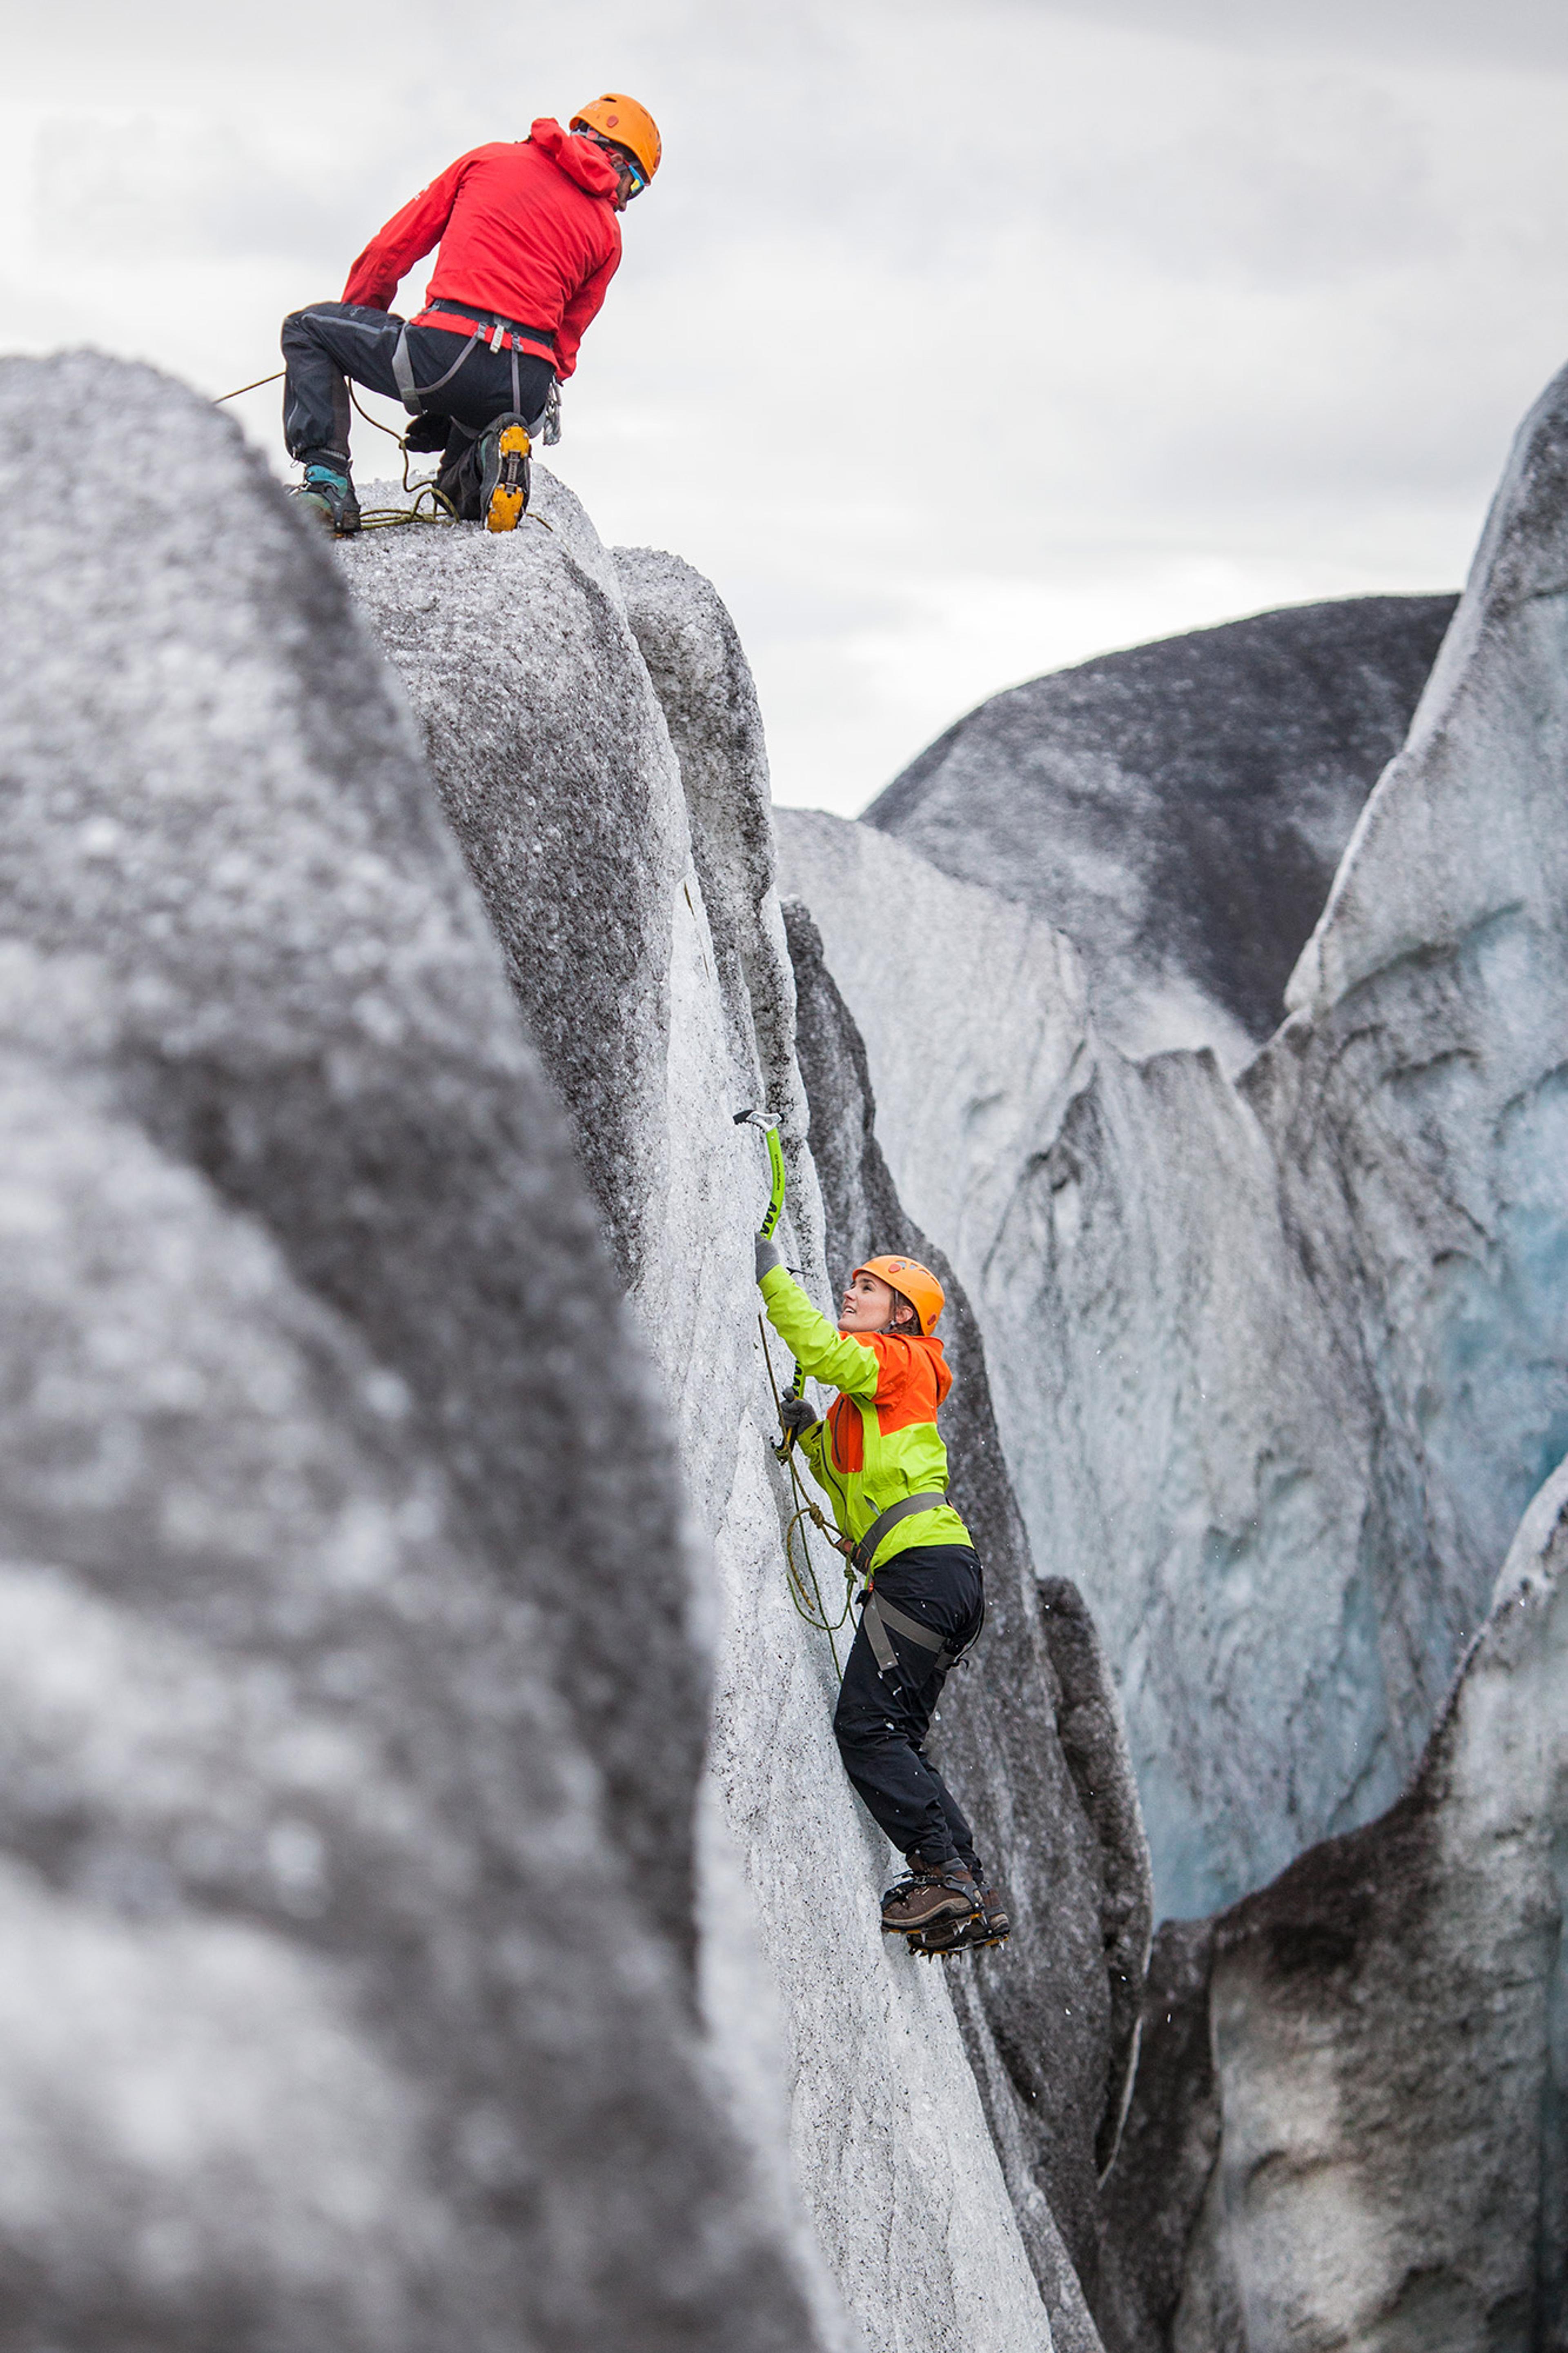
(580, 159)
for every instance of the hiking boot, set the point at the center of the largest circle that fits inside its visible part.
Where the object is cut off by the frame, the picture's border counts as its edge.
(993, 1912)
(329, 496)
(932, 1892)
(989, 1925)
(504, 473)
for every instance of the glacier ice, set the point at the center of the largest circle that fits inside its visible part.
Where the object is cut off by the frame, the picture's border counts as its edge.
(432, 1910)
(354, 1718)
(1179, 809)
(434, 1913)
(1356, 2131)
(907, 2161)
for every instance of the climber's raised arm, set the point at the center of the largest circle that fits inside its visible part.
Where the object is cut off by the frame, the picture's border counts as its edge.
(826, 1354)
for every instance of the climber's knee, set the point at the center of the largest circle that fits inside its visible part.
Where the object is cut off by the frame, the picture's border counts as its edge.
(856, 1730)
(862, 1728)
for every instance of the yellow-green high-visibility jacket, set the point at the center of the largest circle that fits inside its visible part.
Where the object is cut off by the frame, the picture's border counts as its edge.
(880, 1441)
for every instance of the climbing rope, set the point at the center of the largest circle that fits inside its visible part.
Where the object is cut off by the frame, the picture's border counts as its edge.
(239, 388)
(803, 1589)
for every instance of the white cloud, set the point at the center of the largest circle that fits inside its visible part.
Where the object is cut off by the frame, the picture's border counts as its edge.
(953, 344)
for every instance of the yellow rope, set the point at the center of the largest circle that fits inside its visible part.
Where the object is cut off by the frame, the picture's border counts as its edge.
(440, 510)
(246, 387)
(380, 427)
(803, 1589)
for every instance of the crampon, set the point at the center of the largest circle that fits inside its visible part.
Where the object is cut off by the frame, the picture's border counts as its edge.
(987, 1926)
(505, 473)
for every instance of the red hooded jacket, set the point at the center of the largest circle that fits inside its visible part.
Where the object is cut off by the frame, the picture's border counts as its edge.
(527, 229)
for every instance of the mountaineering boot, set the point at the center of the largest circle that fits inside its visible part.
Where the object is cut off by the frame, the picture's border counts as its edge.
(504, 473)
(457, 480)
(934, 1891)
(989, 1925)
(329, 495)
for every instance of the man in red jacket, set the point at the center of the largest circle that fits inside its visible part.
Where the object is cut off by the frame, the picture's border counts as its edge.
(529, 242)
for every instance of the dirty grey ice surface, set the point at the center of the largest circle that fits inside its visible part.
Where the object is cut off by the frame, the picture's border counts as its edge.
(1179, 809)
(1356, 2130)
(1028, 1735)
(432, 1910)
(613, 808)
(1155, 2192)
(1417, 1098)
(352, 1715)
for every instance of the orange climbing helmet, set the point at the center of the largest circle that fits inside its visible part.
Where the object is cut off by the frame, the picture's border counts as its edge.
(912, 1281)
(626, 124)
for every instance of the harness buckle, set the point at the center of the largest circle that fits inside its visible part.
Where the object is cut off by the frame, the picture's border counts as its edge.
(498, 336)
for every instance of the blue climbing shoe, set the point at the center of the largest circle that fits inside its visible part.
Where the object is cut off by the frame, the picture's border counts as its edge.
(329, 497)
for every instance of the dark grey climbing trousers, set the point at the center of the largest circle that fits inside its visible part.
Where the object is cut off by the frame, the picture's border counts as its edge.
(334, 340)
(881, 1720)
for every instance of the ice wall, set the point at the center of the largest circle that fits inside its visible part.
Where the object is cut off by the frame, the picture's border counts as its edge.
(1029, 1734)
(1418, 1096)
(433, 1911)
(1354, 2130)
(890, 2157)
(1179, 809)
(352, 1722)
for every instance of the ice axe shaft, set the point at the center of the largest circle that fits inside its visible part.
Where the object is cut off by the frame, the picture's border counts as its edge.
(775, 1166)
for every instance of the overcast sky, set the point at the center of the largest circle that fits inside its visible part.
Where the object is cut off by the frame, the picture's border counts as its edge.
(954, 344)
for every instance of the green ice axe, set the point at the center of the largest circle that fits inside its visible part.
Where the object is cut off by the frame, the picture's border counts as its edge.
(775, 1166)
(769, 1226)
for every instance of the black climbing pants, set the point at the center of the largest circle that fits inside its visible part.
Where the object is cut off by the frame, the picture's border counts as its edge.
(333, 341)
(882, 1721)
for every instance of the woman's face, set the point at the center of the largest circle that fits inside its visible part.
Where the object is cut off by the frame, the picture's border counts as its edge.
(868, 1304)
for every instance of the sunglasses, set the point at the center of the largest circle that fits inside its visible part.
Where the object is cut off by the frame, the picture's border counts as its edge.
(621, 157)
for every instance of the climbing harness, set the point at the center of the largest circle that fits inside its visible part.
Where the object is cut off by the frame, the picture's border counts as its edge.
(500, 334)
(877, 1615)
(930, 1499)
